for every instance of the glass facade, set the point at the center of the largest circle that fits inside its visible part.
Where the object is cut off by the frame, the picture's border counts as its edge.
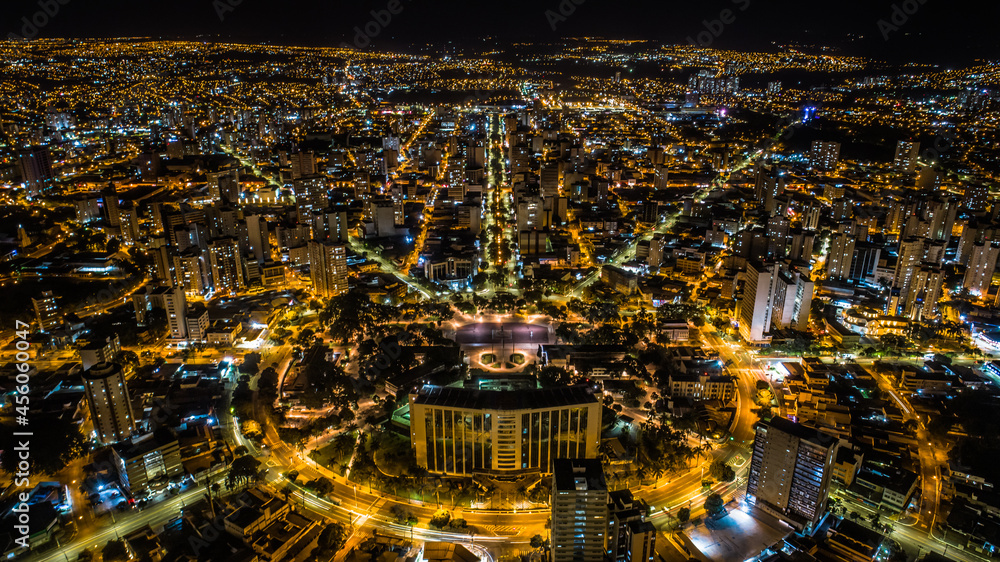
(458, 441)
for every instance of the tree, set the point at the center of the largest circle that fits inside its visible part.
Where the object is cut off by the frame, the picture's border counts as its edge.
(714, 505)
(537, 541)
(353, 315)
(332, 538)
(440, 519)
(113, 246)
(115, 551)
(322, 486)
(242, 470)
(251, 364)
(722, 472)
(128, 358)
(683, 514)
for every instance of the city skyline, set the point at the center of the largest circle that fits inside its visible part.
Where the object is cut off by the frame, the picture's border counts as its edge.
(529, 297)
(954, 33)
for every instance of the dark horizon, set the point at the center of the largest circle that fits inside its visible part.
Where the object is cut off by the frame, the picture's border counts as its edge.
(931, 32)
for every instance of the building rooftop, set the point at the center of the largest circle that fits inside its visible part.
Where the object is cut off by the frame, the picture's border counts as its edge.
(475, 399)
(578, 475)
(442, 551)
(801, 431)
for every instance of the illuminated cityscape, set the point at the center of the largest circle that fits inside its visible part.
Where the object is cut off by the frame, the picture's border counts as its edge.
(567, 298)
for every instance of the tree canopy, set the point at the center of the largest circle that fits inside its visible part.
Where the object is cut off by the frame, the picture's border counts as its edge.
(61, 436)
(714, 505)
(353, 316)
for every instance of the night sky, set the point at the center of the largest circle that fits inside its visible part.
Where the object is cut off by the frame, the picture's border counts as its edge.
(955, 31)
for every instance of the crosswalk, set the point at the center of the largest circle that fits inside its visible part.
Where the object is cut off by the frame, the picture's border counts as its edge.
(504, 530)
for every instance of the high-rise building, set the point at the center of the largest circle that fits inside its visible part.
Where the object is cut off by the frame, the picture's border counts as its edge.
(129, 224)
(36, 170)
(257, 238)
(382, 214)
(197, 322)
(790, 471)
(841, 255)
(579, 510)
(303, 164)
(657, 247)
(310, 195)
(773, 296)
(225, 186)
(222, 221)
(100, 351)
(227, 266)
(163, 268)
(972, 233)
(906, 156)
(911, 253)
(88, 208)
(47, 311)
(175, 306)
(982, 265)
(548, 181)
(940, 214)
(146, 299)
(865, 262)
(109, 401)
(810, 213)
(531, 213)
(111, 202)
(777, 232)
(824, 155)
(976, 196)
(631, 538)
(923, 293)
(792, 301)
(706, 82)
(755, 308)
(331, 223)
(191, 272)
(661, 177)
(328, 268)
(145, 459)
(800, 245)
(769, 184)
